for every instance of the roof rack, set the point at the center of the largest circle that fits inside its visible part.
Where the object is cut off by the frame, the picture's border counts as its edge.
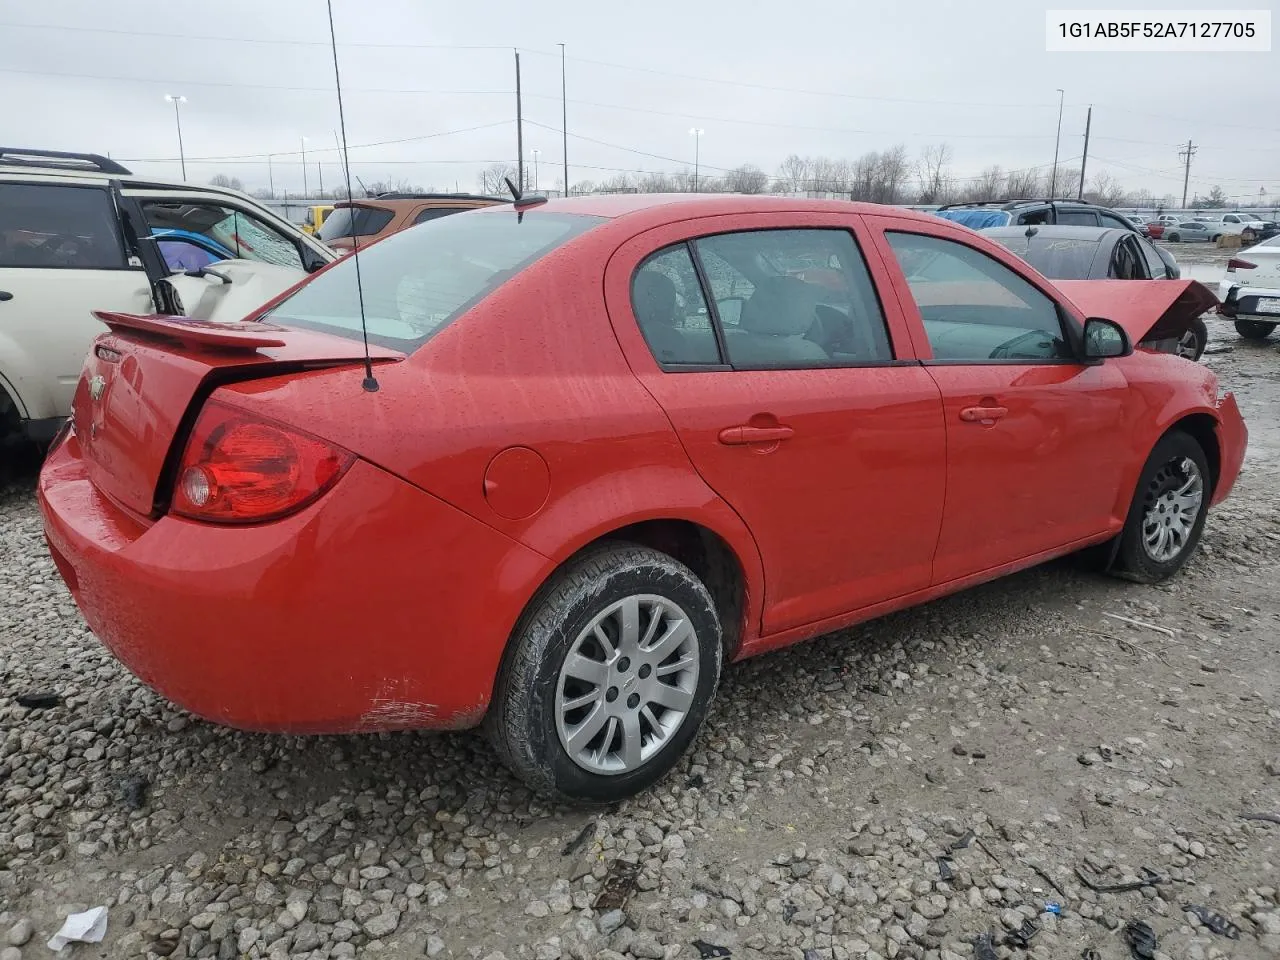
(23, 157)
(1010, 202)
(435, 196)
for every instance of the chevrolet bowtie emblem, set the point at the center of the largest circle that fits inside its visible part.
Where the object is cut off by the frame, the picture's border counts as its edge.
(96, 385)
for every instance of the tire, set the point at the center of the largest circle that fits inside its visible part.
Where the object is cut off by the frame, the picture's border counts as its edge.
(1174, 238)
(532, 721)
(1248, 236)
(1146, 554)
(1254, 329)
(1192, 343)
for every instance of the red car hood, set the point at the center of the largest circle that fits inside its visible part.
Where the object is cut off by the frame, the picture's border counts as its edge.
(1147, 309)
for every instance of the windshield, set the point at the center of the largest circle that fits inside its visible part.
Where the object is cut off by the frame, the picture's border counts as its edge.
(1058, 259)
(354, 222)
(417, 281)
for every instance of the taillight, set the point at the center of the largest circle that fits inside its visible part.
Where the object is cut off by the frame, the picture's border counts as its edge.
(239, 467)
(1235, 263)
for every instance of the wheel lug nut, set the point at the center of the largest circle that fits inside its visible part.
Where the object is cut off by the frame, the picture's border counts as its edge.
(633, 701)
(612, 694)
(645, 671)
(624, 665)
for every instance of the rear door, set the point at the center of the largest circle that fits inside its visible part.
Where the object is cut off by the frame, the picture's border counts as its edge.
(796, 396)
(62, 256)
(1033, 463)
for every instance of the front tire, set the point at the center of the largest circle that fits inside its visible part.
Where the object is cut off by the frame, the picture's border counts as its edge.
(608, 676)
(1254, 329)
(1192, 343)
(1174, 237)
(1168, 511)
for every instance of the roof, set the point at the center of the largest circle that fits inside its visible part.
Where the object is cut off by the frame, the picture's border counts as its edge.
(685, 205)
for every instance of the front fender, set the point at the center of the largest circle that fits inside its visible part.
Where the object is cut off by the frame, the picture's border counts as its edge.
(21, 379)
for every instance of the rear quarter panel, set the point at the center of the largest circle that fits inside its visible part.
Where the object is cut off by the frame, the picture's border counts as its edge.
(534, 366)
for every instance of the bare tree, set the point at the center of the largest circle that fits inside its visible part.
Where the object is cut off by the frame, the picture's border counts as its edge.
(793, 173)
(931, 173)
(891, 174)
(988, 185)
(222, 180)
(746, 179)
(655, 183)
(493, 178)
(619, 183)
(1105, 190)
(862, 176)
(1068, 182)
(829, 176)
(583, 187)
(1024, 183)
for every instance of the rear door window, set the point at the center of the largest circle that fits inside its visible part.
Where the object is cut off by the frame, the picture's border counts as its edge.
(1156, 266)
(416, 282)
(435, 213)
(59, 227)
(347, 222)
(669, 305)
(794, 298)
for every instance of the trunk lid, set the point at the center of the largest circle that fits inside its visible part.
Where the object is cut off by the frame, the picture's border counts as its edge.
(1149, 310)
(139, 381)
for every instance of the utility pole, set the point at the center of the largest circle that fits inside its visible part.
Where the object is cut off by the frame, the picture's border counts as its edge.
(177, 119)
(271, 177)
(1053, 186)
(519, 129)
(696, 133)
(564, 123)
(305, 192)
(1186, 156)
(1088, 121)
(320, 173)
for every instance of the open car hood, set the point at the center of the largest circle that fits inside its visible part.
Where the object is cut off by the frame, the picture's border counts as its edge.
(1149, 310)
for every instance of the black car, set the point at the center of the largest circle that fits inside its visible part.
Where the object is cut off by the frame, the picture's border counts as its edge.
(1096, 253)
(987, 215)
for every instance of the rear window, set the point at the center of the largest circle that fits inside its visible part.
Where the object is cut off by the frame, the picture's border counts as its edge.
(417, 281)
(58, 227)
(354, 222)
(1058, 258)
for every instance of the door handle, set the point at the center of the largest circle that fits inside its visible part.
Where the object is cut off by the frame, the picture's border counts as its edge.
(982, 414)
(5, 295)
(738, 436)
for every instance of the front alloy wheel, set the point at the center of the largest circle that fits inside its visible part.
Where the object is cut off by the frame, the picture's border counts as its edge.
(1173, 499)
(1168, 511)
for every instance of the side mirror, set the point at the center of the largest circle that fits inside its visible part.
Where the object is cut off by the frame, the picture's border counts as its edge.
(1105, 338)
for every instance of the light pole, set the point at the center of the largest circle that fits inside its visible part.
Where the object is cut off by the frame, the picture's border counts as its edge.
(536, 154)
(564, 123)
(271, 177)
(304, 168)
(696, 133)
(1053, 186)
(177, 119)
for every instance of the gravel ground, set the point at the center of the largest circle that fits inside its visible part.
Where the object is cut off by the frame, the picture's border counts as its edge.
(897, 790)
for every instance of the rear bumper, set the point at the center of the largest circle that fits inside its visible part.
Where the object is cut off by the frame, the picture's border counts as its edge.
(1241, 302)
(1233, 439)
(378, 607)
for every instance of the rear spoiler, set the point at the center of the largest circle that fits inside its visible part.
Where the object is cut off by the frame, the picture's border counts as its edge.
(197, 333)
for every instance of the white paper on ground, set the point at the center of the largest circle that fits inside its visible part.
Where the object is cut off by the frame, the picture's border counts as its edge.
(87, 927)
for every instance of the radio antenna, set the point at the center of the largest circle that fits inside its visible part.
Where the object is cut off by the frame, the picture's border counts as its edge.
(370, 383)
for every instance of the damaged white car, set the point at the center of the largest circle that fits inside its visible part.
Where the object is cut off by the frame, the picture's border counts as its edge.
(80, 232)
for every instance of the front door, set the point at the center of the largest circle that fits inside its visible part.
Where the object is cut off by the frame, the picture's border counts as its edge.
(61, 257)
(1032, 462)
(794, 400)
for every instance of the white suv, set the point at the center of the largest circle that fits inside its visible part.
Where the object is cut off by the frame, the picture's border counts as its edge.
(79, 233)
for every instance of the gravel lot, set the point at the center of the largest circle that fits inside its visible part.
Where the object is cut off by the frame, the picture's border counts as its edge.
(1018, 731)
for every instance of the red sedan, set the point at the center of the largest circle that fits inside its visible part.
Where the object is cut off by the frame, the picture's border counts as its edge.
(608, 445)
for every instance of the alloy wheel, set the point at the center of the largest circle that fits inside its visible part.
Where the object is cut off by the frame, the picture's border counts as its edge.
(1173, 500)
(627, 684)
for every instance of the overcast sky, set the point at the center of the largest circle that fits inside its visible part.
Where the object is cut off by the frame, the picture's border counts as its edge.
(763, 80)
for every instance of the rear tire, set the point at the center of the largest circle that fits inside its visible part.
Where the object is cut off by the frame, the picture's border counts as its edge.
(1174, 237)
(595, 720)
(1254, 329)
(1248, 236)
(1168, 511)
